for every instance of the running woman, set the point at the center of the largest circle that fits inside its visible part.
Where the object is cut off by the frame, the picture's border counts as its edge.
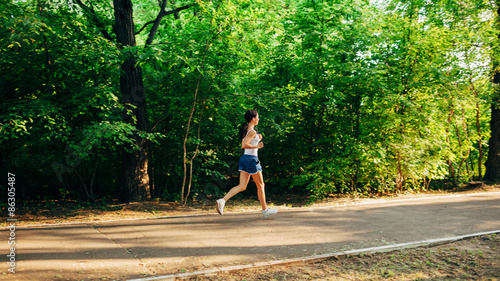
(249, 165)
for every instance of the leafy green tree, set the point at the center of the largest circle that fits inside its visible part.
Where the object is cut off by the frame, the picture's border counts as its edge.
(51, 63)
(135, 160)
(378, 101)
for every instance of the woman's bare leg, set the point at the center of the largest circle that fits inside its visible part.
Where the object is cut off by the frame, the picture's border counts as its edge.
(261, 193)
(244, 179)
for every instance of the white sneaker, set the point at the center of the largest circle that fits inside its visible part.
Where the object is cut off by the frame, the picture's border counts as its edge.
(269, 212)
(220, 206)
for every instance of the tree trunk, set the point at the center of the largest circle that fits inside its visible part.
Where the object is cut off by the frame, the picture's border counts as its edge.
(134, 163)
(493, 162)
(480, 143)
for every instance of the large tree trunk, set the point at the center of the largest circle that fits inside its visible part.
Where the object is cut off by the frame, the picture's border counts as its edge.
(493, 162)
(135, 163)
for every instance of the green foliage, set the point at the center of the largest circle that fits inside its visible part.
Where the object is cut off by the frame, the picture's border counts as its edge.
(354, 97)
(60, 107)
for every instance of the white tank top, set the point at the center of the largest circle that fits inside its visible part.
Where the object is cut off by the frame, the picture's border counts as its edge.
(254, 141)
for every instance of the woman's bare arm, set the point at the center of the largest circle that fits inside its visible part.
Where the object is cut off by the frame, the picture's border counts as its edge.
(245, 144)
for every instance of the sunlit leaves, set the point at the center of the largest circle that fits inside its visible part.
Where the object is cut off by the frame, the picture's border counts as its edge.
(353, 97)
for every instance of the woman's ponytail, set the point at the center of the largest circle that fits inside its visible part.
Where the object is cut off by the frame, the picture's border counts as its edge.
(243, 131)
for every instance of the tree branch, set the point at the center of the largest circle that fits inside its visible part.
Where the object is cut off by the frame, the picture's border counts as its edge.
(144, 26)
(96, 20)
(157, 21)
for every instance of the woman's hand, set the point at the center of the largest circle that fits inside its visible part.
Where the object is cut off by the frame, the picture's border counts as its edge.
(245, 144)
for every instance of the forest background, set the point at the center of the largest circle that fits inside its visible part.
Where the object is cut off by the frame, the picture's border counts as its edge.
(143, 99)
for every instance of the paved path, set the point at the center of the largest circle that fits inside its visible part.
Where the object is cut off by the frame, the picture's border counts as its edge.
(141, 248)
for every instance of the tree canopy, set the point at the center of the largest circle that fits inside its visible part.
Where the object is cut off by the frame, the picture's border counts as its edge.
(354, 96)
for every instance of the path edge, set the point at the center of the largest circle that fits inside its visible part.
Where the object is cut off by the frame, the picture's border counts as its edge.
(318, 258)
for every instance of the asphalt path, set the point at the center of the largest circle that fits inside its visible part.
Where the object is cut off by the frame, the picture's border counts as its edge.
(140, 249)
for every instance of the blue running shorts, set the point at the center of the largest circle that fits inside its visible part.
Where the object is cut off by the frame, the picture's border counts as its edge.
(250, 164)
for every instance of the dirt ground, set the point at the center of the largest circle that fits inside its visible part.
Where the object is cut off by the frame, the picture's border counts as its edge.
(471, 259)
